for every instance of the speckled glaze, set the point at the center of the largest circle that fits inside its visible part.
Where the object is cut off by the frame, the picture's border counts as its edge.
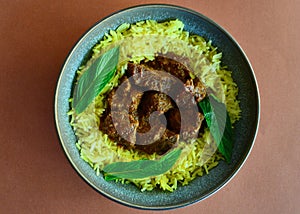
(244, 132)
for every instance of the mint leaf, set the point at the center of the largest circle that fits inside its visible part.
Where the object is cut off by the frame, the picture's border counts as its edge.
(219, 124)
(141, 168)
(94, 79)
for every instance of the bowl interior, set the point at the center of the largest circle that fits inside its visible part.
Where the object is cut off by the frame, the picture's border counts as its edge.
(244, 132)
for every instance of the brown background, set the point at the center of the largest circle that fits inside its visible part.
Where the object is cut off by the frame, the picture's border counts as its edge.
(36, 36)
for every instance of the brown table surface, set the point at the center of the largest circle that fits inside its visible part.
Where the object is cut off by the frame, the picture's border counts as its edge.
(36, 36)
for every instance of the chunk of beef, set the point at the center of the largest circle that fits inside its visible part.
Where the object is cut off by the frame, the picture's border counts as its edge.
(176, 66)
(161, 146)
(155, 101)
(152, 79)
(120, 126)
(196, 88)
(192, 122)
(107, 126)
(150, 129)
(192, 125)
(171, 65)
(133, 69)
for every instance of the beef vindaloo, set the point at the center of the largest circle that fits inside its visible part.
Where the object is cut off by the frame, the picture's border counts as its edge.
(144, 104)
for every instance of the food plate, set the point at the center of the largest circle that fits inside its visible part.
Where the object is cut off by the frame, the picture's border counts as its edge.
(244, 132)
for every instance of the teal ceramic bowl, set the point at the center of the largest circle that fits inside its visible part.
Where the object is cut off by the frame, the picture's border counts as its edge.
(244, 132)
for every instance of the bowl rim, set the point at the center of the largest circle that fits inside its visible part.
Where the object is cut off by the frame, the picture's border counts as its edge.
(239, 164)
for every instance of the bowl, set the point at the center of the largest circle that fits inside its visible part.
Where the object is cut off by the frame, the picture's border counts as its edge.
(244, 132)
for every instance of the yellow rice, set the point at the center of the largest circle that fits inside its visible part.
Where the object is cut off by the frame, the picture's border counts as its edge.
(98, 150)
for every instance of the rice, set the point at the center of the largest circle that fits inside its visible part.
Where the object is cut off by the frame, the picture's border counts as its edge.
(140, 41)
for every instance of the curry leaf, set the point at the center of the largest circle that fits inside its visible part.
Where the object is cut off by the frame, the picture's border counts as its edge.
(219, 124)
(94, 79)
(141, 168)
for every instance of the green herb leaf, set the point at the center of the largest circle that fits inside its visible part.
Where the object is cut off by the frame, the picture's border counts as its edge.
(141, 168)
(94, 79)
(219, 124)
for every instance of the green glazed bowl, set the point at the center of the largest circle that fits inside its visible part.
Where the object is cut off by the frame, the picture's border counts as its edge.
(244, 132)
